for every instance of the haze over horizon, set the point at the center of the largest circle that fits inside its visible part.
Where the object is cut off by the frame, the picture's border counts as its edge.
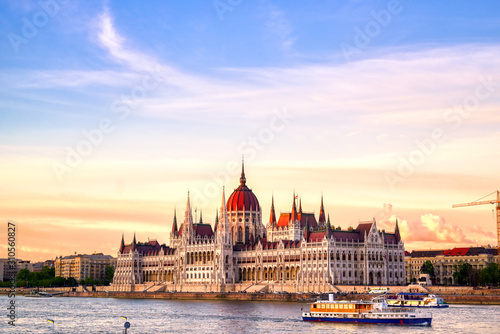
(112, 111)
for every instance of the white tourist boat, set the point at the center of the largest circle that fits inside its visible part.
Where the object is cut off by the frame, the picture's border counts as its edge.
(406, 299)
(375, 311)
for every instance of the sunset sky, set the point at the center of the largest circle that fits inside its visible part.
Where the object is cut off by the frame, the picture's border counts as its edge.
(111, 111)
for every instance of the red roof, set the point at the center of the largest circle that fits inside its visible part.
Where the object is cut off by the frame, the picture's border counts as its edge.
(242, 198)
(362, 228)
(303, 217)
(316, 236)
(199, 230)
(456, 251)
(152, 246)
(203, 230)
(390, 238)
(346, 235)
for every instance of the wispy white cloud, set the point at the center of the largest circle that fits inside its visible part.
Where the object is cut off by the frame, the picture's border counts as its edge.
(277, 25)
(393, 89)
(115, 44)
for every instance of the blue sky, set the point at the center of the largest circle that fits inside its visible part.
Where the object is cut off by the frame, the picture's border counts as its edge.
(332, 97)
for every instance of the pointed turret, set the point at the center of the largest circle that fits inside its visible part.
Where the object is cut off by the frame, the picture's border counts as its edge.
(322, 218)
(175, 229)
(223, 218)
(328, 226)
(201, 217)
(134, 243)
(216, 221)
(306, 229)
(396, 232)
(272, 218)
(300, 205)
(294, 216)
(188, 230)
(122, 245)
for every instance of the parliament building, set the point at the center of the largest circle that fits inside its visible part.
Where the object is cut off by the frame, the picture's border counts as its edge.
(294, 252)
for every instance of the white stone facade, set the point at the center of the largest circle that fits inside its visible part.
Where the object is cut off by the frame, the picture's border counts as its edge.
(300, 255)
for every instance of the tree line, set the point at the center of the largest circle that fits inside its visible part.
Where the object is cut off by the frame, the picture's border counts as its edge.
(465, 274)
(47, 278)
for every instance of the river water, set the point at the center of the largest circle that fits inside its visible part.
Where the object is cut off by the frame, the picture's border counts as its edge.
(102, 315)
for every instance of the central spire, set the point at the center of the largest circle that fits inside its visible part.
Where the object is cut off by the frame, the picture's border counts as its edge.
(243, 179)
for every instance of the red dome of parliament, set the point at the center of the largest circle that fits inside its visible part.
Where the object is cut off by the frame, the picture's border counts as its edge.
(242, 198)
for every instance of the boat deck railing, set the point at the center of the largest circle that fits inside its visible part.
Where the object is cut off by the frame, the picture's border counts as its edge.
(394, 310)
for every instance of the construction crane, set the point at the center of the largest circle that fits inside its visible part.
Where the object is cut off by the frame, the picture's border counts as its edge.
(497, 205)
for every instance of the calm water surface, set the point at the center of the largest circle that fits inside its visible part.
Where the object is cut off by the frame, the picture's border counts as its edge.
(102, 315)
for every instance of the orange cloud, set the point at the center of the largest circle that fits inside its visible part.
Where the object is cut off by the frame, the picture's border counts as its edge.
(479, 230)
(429, 228)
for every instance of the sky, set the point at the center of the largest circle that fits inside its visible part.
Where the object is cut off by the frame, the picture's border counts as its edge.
(112, 111)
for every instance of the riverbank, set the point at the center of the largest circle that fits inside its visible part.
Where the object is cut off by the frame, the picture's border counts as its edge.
(452, 295)
(284, 297)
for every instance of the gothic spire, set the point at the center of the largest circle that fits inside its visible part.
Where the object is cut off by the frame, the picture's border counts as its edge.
(272, 218)
(294, 216)
(122, 245)
(134, 243)
(243, 179)
(306, 231)
(328, 226)
(174, 224)
(223, 219)
(300, 205)
(216, 221)
(322, 219)
(188, 229)
(396, 232)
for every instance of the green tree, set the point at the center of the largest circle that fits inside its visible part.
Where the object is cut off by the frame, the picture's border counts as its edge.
(464, 274)
(71, 281)
(428, 268)
(24, 275)
(110, 272)
(89, 281)
(490, 274)
(58, 281)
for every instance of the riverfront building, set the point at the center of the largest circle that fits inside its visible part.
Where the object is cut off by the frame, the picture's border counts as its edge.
(8, 272)
(443, 261)
(84, 266)
(295, 252)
